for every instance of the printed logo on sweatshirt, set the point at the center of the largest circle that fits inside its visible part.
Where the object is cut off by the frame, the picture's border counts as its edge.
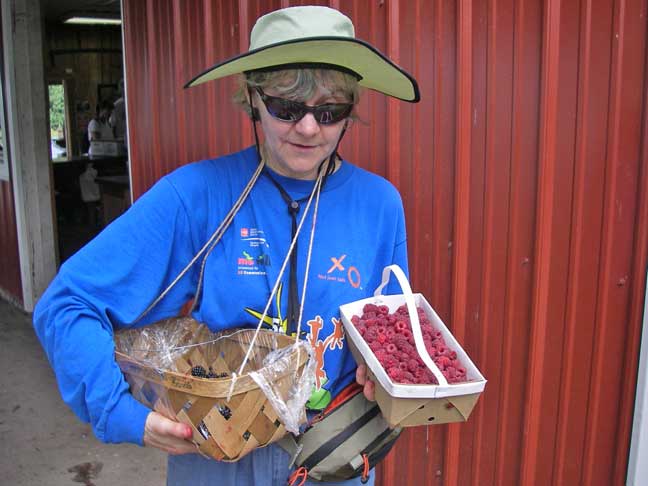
(276, 323)
(341, 270)
(254, 257)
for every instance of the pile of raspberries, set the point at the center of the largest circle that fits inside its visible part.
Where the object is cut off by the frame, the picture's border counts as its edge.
(390, 338)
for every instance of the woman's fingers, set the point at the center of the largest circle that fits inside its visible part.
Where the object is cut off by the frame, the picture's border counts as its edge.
(369, 388)
(167, 435)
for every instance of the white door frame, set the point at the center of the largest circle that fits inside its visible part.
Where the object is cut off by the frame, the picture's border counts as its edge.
(27, 126)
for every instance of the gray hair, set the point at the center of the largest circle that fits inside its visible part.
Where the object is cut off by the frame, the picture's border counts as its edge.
(298, 84)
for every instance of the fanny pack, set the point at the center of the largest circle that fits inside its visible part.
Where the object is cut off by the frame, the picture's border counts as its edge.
(344, 441)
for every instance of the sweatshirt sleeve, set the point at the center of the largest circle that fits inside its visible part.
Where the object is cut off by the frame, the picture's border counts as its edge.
(104, 287)
(400, 247)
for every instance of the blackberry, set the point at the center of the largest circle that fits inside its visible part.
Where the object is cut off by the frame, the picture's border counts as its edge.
(198, 372)
(225, 411)
(213, 374)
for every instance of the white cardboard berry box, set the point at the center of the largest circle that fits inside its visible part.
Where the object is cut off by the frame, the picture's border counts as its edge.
(411, 405)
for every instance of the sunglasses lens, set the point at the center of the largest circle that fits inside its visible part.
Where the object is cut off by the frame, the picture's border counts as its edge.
(293, 111)
(283, 109)
(333, 113)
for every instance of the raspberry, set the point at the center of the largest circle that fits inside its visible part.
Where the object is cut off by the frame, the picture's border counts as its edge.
(381, 354)
(443, 362)
(370, 322)
(401, 326)
(383, 309)
(375, 346)
(396, 374)
(370, 335)
(389, 362)
(408, 377)
(391, 348)
(412, 365)
(370, 308)
(399, 340)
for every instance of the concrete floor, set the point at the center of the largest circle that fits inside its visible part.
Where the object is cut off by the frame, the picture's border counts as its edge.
(42, 441)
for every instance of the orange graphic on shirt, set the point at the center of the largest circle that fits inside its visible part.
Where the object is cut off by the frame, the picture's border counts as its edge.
(332, 341)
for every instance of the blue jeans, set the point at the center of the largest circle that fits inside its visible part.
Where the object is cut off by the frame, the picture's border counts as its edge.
(266, 466)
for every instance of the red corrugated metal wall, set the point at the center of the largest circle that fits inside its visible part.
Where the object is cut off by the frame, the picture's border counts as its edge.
(523, 173)
(10, 282)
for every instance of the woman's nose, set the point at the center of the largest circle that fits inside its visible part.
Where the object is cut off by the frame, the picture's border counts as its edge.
(307, 125)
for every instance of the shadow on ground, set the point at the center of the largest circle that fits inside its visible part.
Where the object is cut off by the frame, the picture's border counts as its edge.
(43, 442)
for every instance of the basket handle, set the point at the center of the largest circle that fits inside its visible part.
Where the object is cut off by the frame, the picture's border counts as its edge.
(414, 319)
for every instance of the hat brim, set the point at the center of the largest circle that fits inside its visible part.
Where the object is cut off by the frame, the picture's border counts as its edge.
(375, 71)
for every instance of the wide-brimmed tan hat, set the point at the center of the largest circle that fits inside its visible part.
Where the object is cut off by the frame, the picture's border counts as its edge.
(315, 36)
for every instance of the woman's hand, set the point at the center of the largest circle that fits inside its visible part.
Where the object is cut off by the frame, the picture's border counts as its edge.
(167, 435)
(369, 386)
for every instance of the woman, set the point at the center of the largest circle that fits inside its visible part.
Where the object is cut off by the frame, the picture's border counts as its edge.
(302, 76)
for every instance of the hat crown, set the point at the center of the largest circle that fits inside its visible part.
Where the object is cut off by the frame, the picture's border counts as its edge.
(294, 23)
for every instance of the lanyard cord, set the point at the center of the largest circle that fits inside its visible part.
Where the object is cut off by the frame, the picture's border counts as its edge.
(293, 209)
(207, 247)
(295, 309)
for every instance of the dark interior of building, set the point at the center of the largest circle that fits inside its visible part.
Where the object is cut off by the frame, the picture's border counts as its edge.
(84, 70)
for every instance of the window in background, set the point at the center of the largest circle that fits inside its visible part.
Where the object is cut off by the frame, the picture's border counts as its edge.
(57, 121)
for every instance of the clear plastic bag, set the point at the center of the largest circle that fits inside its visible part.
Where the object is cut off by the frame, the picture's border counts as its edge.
(289, 404)
(181, 369)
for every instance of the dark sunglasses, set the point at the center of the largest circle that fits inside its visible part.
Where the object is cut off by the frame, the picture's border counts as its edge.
(293, 111)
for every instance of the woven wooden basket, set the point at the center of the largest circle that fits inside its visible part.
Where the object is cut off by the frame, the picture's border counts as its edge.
(161, 379)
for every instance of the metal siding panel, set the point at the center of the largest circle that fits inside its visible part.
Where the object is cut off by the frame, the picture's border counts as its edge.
(462, 300)
(638, 286)
(498, 119)
(10, 280)
(523, 179)
(552, 256)
(589, 187)
(621, 191)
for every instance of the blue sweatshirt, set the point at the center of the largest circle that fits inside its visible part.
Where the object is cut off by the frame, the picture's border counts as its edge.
(105, 286)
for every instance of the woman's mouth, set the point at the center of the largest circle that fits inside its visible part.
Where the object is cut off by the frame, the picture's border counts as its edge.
(303, 147)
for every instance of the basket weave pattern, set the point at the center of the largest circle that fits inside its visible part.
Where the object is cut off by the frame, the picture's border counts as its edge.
(224, 430)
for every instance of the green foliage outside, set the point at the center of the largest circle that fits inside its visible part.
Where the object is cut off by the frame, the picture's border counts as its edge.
(57, 109)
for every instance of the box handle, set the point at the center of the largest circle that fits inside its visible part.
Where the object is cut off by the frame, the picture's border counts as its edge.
(414, 320)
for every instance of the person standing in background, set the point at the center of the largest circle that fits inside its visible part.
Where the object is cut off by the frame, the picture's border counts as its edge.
(99, 127)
